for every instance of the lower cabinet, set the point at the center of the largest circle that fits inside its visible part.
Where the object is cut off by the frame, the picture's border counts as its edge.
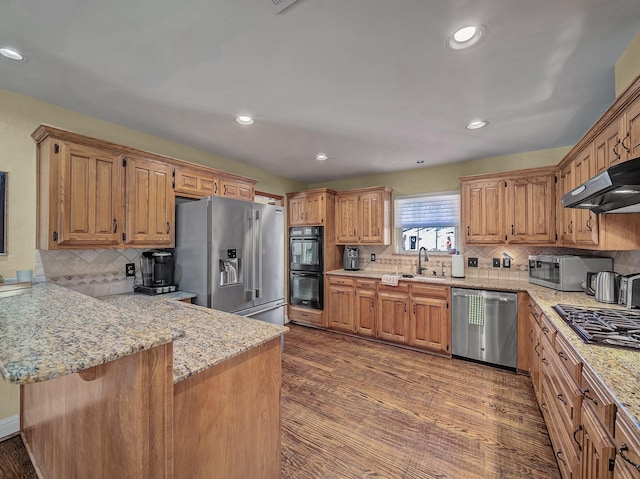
(429, 324)
(340, 300)
(393, 315)
(366, 308)
(598, 452)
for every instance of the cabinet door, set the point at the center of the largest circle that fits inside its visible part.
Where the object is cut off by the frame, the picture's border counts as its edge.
(91, 206)
(232, 188)
(430, 326)
(365, 312)
(631, 130)
(608, 147)
(314, 209)
(483, 211)
(195, 183)
(534, 360)
(586, 222)
(531, 210)
(597, 449)
(346, 219)
(393, 317)
(567, 223)
(150, 203)
(341, 308)
(296, 211)
(371, 214)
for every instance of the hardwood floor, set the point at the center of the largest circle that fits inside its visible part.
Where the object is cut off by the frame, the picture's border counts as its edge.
(356, 409)
(353, 409)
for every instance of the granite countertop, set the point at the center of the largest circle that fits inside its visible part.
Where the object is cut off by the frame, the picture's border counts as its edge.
(48, 331)
(210, 336)
(618, 369)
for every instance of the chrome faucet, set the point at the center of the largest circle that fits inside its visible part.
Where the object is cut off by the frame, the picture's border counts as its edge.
(426, 258)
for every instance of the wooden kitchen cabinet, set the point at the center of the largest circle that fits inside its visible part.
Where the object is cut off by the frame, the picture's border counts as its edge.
(341, 304)
(509, 208)
(597, 450)
(194, 182)
(365, 315)
(90, 209)
(364, 216)
(567, 215)
(608, 149)
(586, 222)
(393, 315)
(150, 203)
(627, 446)
(310, 208)
(430, 321)
(237, 187)
(483, 211)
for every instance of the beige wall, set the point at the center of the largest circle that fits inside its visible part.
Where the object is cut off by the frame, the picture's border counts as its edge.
(19, 117)
(628, 65)
(445, 177)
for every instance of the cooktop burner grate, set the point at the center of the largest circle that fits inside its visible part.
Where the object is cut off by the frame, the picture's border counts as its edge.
(609, 327)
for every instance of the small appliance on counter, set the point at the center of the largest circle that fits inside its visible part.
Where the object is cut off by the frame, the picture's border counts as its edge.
(565, 272)
(351, 258)
(156, 267)
(630, 291)
(604, 285)
(457, 266)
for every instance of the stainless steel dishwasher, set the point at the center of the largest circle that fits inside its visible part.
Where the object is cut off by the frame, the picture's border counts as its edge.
(484, 326)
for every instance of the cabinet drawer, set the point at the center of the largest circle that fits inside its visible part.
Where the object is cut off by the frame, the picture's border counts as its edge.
(432, 291)
(362, 283)
(548, 329)
(569, 358)
(401, 288)
(341, 280)
(627, 440)
(594, 392)
(306, 315)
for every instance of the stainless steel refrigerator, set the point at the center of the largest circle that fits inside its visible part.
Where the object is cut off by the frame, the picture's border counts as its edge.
(230, 253)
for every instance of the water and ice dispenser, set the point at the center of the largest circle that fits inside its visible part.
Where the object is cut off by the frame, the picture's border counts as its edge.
(229, 266)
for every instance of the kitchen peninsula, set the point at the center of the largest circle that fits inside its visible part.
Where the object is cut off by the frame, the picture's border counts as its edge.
(135, 386)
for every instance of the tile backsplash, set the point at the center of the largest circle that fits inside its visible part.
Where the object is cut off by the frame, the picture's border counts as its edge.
(96, 272)
(624, 262)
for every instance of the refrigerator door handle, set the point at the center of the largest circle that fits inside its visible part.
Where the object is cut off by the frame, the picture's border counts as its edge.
(249, 256)
(257, 244)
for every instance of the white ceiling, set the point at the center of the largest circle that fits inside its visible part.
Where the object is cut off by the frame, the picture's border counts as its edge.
(368, 82)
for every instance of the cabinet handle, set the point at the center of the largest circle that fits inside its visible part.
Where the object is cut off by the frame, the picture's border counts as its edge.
(536, 314)
(570, 226)
(545, 361)
(628, 148)
(561, 398)
(545, 329)
(115, 225)
(354, 231)
(585, 394)
(536, 349)
(378, 231)
(405, 307)
(414, 308)
(513, 231)
(530, 333)
(559, 458)
(215, 188)
(589, 222)
(563, 355)
(624, 448)
(168, 227)
(576, 439)
(544, 406)
(615, 149)
(468, 230)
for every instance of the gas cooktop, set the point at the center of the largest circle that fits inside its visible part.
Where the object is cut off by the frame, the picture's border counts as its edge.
(609, 327)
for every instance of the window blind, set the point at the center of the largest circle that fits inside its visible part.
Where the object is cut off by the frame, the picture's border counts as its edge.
(427, 211)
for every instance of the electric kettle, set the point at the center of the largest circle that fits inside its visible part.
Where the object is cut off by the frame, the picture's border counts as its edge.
(606, 286)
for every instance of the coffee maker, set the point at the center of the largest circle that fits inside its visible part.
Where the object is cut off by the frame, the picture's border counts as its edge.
(351, 258)
(156, 267)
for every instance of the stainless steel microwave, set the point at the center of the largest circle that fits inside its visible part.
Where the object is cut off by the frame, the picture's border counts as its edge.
(565, 272)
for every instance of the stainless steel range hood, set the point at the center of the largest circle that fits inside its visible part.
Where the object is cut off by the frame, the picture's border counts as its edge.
(616, 190)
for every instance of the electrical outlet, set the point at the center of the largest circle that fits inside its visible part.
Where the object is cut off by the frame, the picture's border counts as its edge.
(373, 257)
(496, 262)
(472, 262)
(506, 262)
(130, 269)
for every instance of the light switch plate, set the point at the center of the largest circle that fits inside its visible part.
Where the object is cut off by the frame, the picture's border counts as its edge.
(506, 262)
(373, 257)
(472, 262)
(496, 262)
(130, 269)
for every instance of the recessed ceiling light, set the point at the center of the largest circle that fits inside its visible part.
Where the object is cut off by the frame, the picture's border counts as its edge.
(474, 125)
(321, 157)
(244, 120)
(11, 53)
(465, 37)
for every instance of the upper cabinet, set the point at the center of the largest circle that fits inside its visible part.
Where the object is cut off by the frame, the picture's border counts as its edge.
(364, 216)
(509, 208)
(311, 207)
(96, 194)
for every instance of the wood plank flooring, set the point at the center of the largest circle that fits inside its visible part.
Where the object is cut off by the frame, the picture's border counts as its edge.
(357, 409)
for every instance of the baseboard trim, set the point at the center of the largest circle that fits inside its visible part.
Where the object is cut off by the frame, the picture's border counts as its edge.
(9, 426)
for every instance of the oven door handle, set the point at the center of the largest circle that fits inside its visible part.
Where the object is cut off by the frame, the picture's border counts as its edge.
(298, 273)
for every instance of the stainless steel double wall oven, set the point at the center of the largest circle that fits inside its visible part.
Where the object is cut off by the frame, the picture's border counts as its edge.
(306, 266)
